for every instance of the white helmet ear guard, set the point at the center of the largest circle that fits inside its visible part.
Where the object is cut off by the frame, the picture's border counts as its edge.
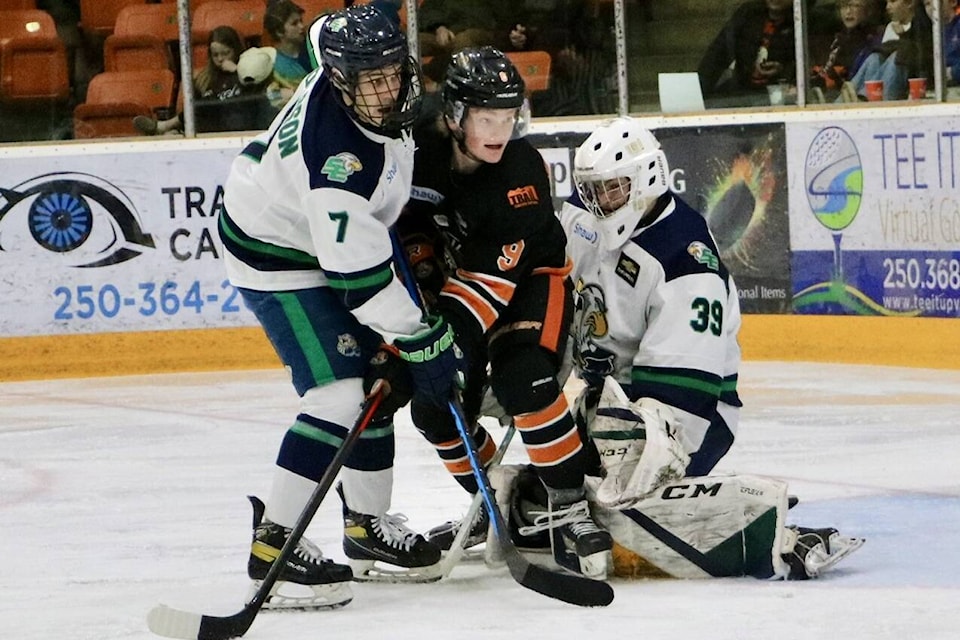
(620, 172)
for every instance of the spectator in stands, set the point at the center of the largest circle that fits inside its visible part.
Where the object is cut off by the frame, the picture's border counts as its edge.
(283, 20)
(859, 34)
(905, 51)
(218, 80)
(758, 41)
(950, 19)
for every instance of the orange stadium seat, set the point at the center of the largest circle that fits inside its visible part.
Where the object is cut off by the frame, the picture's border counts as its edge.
(313, 8)
(98, 17)
(33, 60)
(17, 5)
(246, 16)
(154, 19)
(534, 68)
(115, 98)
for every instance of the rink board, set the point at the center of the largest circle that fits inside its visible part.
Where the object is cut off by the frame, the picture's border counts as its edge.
(841, 228)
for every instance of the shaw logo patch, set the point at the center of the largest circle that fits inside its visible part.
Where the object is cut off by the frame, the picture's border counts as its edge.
(628, 269)
(341, 166)
(702, 254)
(587, 234)
(523, 197)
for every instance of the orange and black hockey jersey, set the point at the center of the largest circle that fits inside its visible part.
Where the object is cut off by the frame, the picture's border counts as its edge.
(497, 225)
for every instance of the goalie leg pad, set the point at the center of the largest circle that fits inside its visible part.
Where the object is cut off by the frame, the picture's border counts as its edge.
(712, 526)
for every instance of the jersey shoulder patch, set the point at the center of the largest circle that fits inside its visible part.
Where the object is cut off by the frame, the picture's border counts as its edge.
(682, 244)
(336, 153)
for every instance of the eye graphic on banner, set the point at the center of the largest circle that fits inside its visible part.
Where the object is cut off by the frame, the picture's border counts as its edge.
(78, 219)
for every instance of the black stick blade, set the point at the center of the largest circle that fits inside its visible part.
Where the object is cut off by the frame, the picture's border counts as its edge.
(566, 587)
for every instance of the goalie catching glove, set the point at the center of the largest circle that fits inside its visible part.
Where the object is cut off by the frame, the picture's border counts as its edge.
(639, 444)
(435, 362)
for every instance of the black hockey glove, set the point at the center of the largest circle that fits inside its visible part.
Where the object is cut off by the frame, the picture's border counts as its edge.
(386, 372)
(435, 362)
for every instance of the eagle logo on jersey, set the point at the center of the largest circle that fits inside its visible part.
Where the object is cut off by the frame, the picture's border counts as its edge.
(590, 323)
(704, 255)
(341, 166)
(347, 346)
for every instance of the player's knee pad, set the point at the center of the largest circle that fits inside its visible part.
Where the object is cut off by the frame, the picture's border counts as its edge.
(337, 402)
(525, 380)
(434, 422)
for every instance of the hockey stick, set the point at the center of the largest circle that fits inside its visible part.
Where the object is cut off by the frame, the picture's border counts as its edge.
(175, 623)
(457, 549)
(567, 587)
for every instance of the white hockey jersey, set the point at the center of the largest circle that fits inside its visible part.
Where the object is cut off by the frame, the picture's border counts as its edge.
(309, 203)
(660, 314)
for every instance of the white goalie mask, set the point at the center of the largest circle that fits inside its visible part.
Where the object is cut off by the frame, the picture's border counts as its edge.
(620, 172)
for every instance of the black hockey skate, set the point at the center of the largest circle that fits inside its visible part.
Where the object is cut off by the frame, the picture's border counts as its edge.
(578, 544)
(308, 581)
(444, 534)
(383, 549)
(814, 551)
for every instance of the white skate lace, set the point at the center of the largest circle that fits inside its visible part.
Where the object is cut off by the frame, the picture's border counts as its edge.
(308, 551)
(576, 516)
(390, 528)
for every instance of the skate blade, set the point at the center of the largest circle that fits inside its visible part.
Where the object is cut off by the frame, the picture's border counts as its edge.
(377, 571)
(843, 547)
(596, 565)
(289, 595)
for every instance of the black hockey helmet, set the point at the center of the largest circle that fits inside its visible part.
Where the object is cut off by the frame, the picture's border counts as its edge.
(361, 38)
(481, 77)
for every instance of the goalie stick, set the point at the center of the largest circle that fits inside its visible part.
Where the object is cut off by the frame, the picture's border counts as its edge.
(567, 587)
(175, 623)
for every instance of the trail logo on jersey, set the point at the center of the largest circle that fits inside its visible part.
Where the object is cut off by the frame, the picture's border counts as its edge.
(702, 254)
(347, 346)
(341, 166)
(523, 197)
(628, 269)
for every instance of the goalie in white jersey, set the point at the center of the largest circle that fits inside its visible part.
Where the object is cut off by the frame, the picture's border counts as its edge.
(655, 341)
(656, 309)
(308, 205)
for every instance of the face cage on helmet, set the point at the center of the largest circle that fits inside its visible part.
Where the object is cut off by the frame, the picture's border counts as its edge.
(406, 106)
(592, 191)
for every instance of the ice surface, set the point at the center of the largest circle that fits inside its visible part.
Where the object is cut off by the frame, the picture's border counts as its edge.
(120, 493)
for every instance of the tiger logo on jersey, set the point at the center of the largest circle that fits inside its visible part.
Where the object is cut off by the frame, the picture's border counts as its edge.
(347, 346)
(589, 324)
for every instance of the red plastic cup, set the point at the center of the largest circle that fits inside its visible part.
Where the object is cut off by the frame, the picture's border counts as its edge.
(918, 88)
(874, 89)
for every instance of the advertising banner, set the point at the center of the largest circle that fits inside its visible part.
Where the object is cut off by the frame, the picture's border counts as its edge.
(875, 217)
(737, 177)
(109, 242)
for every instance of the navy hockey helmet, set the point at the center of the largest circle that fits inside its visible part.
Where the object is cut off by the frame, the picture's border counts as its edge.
(484, 77)
(361, 38)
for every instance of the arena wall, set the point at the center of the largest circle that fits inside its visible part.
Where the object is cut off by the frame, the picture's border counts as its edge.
(864, 272)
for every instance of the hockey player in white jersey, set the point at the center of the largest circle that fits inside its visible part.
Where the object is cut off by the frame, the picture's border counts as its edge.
(657, 309)
(307, 208)
(655, 342)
